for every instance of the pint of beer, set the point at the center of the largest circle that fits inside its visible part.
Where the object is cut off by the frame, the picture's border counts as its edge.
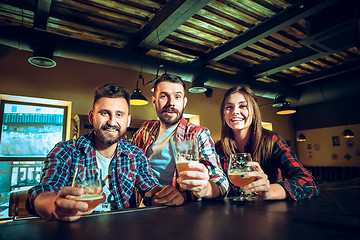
(187, 150)
(89, 180)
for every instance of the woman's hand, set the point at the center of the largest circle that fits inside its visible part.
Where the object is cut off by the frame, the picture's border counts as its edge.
(262, 186)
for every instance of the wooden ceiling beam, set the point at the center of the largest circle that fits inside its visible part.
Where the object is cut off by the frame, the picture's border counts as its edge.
(331, 72)
(322, 41)
(274, 24)
(287, 61)
(166, 20)
(42, 14)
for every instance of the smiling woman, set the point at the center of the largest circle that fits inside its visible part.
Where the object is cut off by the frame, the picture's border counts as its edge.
(275, 167)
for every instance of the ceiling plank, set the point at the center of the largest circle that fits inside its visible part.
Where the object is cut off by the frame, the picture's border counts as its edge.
(42, 14)
(274, 24)
(166, 20)
(287, 61)
(343, 68)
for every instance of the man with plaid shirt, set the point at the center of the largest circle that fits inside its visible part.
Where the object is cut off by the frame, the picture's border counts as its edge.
(124, 165)
(206, 178)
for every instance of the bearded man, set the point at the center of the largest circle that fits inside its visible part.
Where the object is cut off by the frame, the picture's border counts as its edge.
(205, 178)
(124, 167)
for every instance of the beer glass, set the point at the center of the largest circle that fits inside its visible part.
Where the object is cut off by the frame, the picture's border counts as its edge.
(237, 167)
(187, 150)
(89, 180)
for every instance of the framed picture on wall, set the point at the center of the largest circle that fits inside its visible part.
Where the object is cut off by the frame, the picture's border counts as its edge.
(335, 141)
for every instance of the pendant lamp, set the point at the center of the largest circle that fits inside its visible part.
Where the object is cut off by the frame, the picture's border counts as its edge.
(348, 133)
(137, 98)
(301, 138)
(286, 109)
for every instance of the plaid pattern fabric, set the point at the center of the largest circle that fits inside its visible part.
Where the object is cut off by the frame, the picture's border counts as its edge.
(283, 168)
(148, 132)
(129, 169)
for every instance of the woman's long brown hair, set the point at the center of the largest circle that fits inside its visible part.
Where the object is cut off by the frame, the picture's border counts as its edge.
(260, 138)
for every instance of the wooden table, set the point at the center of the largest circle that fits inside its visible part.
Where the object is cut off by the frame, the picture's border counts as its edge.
(335, 214)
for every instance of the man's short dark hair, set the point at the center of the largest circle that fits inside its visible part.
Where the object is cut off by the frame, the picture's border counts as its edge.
(169, 78)
(111, 90)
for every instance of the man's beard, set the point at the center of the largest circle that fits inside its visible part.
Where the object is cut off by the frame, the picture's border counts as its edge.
(104, 138)
(167, 120)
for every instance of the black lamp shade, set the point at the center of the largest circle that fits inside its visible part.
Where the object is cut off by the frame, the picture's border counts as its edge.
(198, 85)
(286, 109)
(348, 133)
(137, 98)
(301, 138)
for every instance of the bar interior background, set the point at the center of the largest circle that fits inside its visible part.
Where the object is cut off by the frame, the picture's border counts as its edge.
(287, 47)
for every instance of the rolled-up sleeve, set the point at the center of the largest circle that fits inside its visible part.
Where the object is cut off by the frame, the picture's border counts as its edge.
(296, 180)
(54, 178)
(145, 178)
(210, 159)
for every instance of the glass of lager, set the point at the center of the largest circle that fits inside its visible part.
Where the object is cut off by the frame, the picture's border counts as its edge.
(237, 167)
(90, 181)
(187, 150)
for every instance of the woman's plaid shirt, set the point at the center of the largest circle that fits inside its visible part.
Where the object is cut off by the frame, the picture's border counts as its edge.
(283, 168)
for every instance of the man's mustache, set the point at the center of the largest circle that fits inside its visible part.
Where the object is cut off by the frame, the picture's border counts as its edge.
(170, 109)
(108, 126)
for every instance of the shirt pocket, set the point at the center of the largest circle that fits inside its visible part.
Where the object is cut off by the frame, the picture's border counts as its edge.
(127, 180)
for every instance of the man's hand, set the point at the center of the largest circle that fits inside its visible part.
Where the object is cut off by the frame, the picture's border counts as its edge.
(165, 195)
(198, 181)
(61, 207)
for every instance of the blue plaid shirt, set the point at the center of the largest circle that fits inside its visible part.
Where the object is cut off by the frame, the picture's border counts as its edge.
(129, 169)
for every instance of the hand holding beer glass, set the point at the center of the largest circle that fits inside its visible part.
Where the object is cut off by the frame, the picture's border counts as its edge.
(187, 150)
(89, 180)
(237, 167)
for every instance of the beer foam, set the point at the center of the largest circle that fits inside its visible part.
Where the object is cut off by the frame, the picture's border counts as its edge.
(88, 197)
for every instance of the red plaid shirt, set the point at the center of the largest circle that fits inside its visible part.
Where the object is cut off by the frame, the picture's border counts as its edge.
(148, 132)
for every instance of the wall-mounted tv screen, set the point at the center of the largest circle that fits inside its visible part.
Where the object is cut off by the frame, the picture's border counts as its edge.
(30, 130)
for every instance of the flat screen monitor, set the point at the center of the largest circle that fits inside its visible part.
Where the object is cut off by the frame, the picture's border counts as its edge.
(30, 130)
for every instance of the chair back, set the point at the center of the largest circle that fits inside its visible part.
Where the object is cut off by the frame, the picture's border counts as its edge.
(17, 207)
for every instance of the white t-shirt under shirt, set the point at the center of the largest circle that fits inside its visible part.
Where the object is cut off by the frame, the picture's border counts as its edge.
(104, 164)
(160, 154)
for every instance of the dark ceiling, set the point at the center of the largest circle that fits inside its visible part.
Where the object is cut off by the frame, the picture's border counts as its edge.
(299, 48)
